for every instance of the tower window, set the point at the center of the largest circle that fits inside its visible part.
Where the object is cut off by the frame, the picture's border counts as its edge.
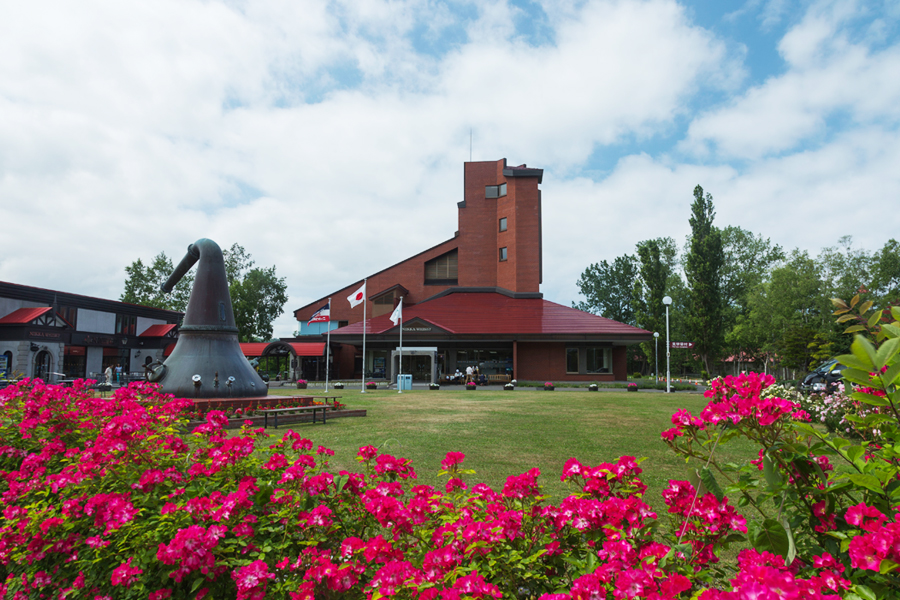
(502, 254)
(495, 191)
(503, 224)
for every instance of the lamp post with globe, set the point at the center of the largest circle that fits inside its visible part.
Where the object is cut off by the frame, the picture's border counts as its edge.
(656, 359)
(667, 301)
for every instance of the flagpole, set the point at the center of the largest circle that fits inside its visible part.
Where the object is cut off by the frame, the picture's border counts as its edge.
(400, 365)
(365, 294)
(328, 345)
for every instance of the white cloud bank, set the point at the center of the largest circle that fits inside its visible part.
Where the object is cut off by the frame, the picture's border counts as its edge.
(314, 134)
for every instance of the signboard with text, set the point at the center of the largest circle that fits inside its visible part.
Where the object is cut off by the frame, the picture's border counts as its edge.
(681, 344)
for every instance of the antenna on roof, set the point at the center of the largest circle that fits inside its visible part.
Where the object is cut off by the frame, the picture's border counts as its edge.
(470, 144)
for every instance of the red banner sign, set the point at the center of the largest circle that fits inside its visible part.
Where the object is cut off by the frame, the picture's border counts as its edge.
(681, 344)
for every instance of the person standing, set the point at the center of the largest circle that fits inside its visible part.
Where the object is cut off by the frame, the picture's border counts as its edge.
(118, 373)
(108, 373)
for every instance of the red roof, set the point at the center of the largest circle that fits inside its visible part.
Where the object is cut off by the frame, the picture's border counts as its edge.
(300, 348)
(253, 348)
(158, 330)
(23, 316)
(462, 313)
(308, 348)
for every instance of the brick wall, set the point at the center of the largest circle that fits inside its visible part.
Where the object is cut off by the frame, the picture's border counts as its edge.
(478, 242)
(546, 361)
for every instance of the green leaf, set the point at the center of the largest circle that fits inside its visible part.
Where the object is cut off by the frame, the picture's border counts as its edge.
(710, 482)
(863, 349)
(886, 352)
(855, 454)
(869, 482)
(870, 399)
(853, 362)
(891, 375)
(771, 536)
(890, 330)
(887, 566)
(197, 583)
(854, 329)
(857, 376)
(865, 592)
(792, 547)
(865, 307)
(771, 475)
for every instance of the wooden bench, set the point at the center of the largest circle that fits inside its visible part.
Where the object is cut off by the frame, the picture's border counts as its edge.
(498, 378)
(298, 409)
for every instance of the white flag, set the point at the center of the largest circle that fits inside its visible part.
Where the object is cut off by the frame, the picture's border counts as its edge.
(398, 313)
(358, 296)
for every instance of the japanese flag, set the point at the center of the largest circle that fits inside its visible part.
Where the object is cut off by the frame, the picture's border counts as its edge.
(397, 315)
(358, 296)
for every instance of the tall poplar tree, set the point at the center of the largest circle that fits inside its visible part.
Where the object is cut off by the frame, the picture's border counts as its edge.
(703, 271)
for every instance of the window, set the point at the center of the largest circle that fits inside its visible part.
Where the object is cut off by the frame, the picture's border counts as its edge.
(126, 324)
(597, 360)
(69, 314)
(495, 191)
(443, 270)
(502, 254)
(503, 224)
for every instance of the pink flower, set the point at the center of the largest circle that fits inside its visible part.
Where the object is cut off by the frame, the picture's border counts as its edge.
(125, 574)
(252, 579)
(452, 459)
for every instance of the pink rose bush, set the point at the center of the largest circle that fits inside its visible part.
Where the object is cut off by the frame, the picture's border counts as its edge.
(115, 498)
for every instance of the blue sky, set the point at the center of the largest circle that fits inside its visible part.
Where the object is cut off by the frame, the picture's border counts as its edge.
(328, 137)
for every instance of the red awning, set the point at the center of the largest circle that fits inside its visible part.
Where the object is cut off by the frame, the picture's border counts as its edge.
(158, 330)
(23, 316)
(308, 348)
(253, 349)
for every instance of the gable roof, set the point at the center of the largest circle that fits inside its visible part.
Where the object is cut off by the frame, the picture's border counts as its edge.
(23, 316)
(463, 313)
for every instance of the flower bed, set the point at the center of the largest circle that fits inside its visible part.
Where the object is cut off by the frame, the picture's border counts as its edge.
(104, 499)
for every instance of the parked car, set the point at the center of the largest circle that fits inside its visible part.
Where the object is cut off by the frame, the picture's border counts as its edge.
(823, 378)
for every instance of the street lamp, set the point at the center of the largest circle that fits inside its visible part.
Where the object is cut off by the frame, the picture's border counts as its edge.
(667, 301)
(656, 350)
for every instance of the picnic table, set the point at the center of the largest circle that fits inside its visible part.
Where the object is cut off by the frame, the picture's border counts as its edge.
(300, 409)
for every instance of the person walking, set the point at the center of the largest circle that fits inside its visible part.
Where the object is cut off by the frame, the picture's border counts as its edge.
(108, 374)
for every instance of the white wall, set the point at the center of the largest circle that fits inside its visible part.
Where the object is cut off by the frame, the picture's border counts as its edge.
(96, 321)
(143, 323)
(9, 305)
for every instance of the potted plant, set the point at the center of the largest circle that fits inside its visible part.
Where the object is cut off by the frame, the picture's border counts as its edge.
(371, 385)
(471, 386)
(301, 384)
(593, 387)
(338, 386)
(548, 386)
(632, 387)
(509, 387)
(434, 386)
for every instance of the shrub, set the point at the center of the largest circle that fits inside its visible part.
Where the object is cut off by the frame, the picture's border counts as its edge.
(636, 375)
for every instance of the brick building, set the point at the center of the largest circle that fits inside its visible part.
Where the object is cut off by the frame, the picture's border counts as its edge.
(475, 300)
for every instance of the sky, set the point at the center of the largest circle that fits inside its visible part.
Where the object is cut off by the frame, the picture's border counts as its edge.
(328, 137)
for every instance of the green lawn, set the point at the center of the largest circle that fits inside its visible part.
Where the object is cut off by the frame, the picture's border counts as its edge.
(506, 433)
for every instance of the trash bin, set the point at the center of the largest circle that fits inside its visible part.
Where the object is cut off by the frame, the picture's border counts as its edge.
(404, 382)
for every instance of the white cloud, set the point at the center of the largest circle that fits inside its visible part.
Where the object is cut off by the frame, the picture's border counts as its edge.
(314, 135)
(828, 75)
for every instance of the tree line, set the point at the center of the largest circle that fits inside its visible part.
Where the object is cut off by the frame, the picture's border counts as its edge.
(258, 295)
(744, 301)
